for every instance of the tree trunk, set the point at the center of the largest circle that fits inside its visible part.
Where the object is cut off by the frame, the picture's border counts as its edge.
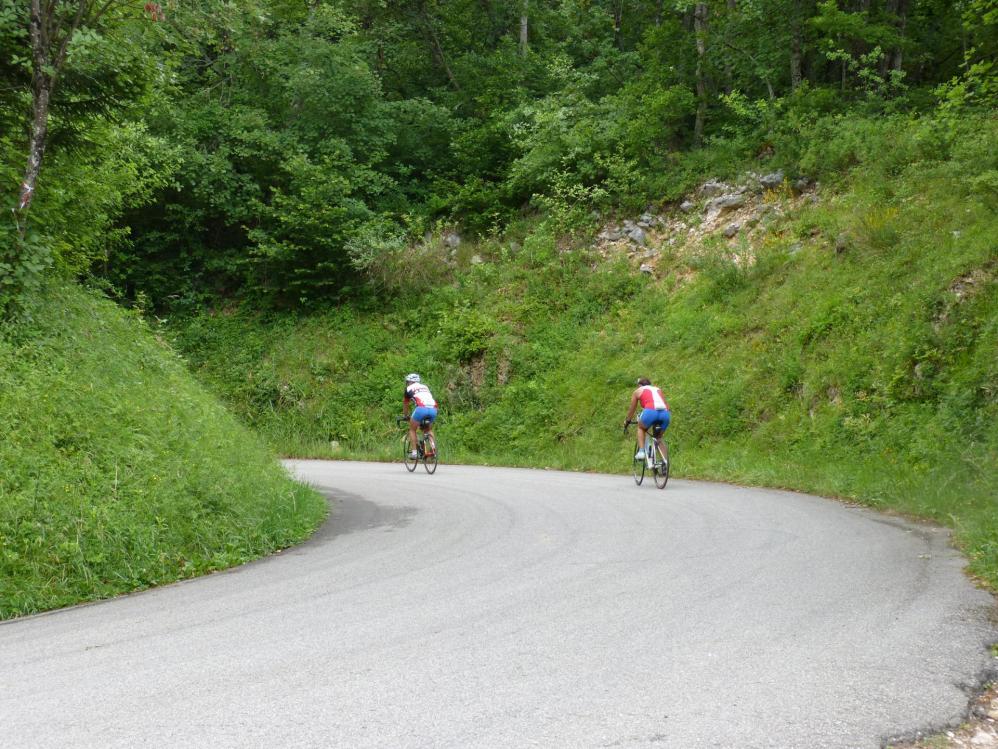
(524, 28)
(50, 40)
(36, 145)
(700, 29)
(901, 10)
(618, 15)
(796, 47)
(41, 93)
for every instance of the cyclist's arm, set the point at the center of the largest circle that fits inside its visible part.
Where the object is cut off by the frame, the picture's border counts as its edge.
(634, 406)
(405, 404)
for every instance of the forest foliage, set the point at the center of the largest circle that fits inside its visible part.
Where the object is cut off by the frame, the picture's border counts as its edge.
(275, 149)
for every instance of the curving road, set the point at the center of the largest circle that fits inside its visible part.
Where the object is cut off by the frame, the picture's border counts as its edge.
(509, 608)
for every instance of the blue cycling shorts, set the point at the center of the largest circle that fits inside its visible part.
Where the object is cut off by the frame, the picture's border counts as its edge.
(652, 416)
(424, 412)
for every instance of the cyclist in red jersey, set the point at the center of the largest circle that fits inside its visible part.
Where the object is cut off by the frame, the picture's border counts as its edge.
(654, 410)
(425, 407)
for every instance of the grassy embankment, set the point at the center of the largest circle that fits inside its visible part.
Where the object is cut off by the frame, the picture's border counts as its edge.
(857, 356)
(118, 471)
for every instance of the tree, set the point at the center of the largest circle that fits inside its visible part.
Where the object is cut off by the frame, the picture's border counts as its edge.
(66, 67)
(700, 29)
(53, 25)
(524, 21)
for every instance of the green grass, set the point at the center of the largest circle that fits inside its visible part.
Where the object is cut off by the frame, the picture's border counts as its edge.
(864, 365)
(119, 471)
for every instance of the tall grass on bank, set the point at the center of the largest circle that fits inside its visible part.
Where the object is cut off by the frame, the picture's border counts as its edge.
(857, 356)
(118, 471)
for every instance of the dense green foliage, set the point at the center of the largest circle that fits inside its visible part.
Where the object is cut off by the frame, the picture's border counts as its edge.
(119, 472)
(864, 367)
(268, 148)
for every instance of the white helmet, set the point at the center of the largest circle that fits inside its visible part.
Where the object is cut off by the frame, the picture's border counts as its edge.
(412, 377)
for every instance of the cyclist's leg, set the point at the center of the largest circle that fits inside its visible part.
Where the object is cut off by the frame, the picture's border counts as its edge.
(431, 414)
(644, 422)
(418, 414)
(662, 420)
(413, 427)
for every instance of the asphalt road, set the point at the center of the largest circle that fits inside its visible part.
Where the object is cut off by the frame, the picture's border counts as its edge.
(506, 608)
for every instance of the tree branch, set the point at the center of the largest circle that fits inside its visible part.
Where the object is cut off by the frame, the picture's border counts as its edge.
(100, 13)
(758, 68)
(438, 51)
(60, 56)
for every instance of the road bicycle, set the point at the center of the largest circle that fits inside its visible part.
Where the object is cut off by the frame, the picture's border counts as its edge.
(656, 461)
(426, 447)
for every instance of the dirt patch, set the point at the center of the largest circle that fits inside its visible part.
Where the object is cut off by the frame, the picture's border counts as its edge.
(962, 289)
(968, 284)
(502, 375)
(476, 371)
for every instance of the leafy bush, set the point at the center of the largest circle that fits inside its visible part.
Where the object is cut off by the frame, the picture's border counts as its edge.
(382, 252)
(465, 333)
(23, 261)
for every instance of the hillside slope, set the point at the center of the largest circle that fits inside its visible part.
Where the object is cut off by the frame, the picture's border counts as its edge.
(846, 342)
(118, 470)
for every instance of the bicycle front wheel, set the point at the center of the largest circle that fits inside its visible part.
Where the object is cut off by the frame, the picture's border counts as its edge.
(407, 448)
(430, 453)
(637, 466)
(662, 465)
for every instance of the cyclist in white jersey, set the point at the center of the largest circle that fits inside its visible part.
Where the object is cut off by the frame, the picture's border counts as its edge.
(654, 411)
(425, 407)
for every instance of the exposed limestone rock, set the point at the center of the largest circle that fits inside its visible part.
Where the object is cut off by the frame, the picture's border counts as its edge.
(772, 181)
(711, 188)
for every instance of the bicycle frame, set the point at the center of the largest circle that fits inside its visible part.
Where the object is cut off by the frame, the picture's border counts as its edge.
(427, 457)
(656, 458)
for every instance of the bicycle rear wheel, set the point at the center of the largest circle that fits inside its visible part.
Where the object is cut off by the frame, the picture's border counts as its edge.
(407, 448)
(662, 465)
(430, 454)
(637, 466)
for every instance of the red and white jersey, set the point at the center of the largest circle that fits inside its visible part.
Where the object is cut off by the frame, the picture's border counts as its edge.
(651, 397)
(418, 392)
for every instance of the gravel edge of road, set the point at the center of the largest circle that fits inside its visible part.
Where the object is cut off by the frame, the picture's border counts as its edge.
(978, 730)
